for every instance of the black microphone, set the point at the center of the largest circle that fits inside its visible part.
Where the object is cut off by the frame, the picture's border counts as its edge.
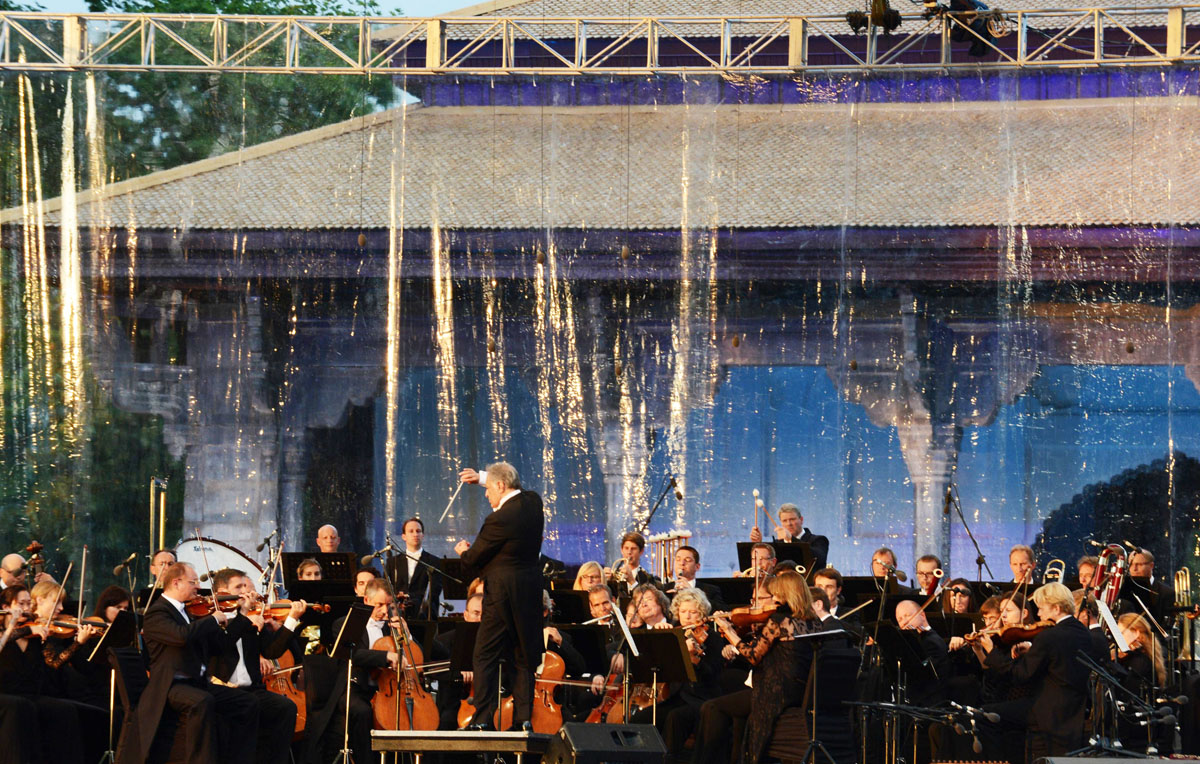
(266, 541)
(446, 606)
(947, 500)
(900, 574)
(976, 746)
(1169, 720)
(365, 561)
(678, 493)
(1181, 700)
(124, 564)
(992, 717)
(1132, 546)
(203, 577)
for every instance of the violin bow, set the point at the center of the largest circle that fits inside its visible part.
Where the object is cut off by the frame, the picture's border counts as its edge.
(212, 590)
(62, 588)
(82, 577)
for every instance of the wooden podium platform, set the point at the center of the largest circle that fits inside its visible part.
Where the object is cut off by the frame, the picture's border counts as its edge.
(418, 742)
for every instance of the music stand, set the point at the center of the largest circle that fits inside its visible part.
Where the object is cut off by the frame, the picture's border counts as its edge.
(815, 745)
(570, 606)
(343, 649)
(950, 625)
(590, 641)
(663, 657)
(335, 566)
(120, 633)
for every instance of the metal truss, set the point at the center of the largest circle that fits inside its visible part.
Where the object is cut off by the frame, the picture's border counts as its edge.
(489, 45)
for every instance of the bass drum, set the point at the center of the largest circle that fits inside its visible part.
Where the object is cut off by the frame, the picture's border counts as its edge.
(219, 554)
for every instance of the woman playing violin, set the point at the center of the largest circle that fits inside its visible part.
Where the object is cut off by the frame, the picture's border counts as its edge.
(1141, 669)
(24, 672)
(781, 663)
(690, 609)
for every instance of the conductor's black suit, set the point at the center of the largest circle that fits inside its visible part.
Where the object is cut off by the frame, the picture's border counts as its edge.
(505, 555)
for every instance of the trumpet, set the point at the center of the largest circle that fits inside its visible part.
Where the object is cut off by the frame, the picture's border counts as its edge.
(1056, 571)
(1183, 599)
(617, 575)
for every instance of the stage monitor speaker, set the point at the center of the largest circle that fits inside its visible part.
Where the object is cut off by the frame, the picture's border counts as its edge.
(578, 743)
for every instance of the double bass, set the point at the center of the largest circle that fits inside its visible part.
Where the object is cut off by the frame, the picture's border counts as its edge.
(402, 702)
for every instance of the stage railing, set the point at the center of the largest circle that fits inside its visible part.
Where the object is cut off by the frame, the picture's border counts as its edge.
(616, 46)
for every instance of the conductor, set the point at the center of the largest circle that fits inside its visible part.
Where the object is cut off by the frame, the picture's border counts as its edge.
(505, 555)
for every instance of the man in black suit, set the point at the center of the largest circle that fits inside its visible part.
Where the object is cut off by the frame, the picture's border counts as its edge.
(424, 589)
(325, 728)
(237, 664)
(505, 555)
(792, 529)
(1053, 715)
(687, 568)
(1157, 595)
(179, 648)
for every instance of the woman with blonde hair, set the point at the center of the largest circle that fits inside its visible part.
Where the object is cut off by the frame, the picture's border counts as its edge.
(590, 574)
(1144, 669)
(781, 662)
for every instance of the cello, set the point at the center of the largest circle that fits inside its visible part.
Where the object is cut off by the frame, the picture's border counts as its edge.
(402, 702)
(281, 682)
(547, 716)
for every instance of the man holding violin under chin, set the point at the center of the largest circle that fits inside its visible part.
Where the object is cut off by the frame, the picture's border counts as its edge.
(180, 647)
(1053, 715)
(239, 664)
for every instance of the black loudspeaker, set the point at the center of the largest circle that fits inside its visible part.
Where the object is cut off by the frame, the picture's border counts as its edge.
(578, 743)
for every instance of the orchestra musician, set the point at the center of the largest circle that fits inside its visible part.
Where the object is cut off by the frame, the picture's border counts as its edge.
(424, 589)
(679, 714)
(590, 574)
(958, 597)
(162, 559)
(1088, 613)
(1141, 670)
(239, 664)
(627, 573)
(56, 729)
(1157, 595)
(179, 646)
(13, 570)
(781, 662)
(326, 727)
(648, 608)
(1020, 561)
(308, 570)
(363, 577)
(762, 560)
(792, 529)
(328, 540)
(507, 555)
(928, 582)
(687, 568)
(1086, 567)
(924, 689)
(1051, 719)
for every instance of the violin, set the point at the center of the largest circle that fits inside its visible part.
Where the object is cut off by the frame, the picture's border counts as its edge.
(279, 608)
(745, 618)
(699, 635)
(199, 607)
(68, 625)
(36, 565)
(1011, 635)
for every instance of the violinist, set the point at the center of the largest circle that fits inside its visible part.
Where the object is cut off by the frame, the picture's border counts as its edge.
(214, 720)
(1052, 717)
(1141, 670)
(423, 586)
(59, 644)
(680, 713)
(627, 573)
(781, 662)
(96, 673)
(162, 559)
(590, 574)
(23, 673)
(244, 651)
(924, 689)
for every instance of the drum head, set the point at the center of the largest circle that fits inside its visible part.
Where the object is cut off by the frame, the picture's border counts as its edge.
(219, 554)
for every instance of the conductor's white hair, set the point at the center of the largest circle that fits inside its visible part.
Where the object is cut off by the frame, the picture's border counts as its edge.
(505, 473)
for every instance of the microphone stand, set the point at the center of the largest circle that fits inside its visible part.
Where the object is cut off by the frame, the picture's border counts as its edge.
(980, 559)
(646, 523)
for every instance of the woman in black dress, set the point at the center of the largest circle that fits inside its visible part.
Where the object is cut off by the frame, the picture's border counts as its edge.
(1141, 670)
(781, 662)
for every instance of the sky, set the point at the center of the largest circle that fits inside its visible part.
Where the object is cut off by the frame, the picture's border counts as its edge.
(410, 7)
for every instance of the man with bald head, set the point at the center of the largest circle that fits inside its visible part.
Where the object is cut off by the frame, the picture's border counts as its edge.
(327, 539)
(925, 687)
(12, 572)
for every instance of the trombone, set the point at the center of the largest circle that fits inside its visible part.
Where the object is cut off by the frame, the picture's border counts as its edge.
(1056, 571)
